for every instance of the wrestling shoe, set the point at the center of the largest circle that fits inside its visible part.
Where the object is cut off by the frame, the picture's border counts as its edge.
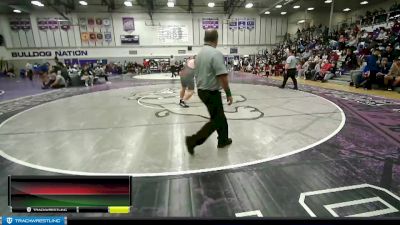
(183, 104)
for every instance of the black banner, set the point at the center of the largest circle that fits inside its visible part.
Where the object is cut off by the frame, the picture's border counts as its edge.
(130, 39)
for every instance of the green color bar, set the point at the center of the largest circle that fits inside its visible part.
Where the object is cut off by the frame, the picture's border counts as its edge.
(70, 200)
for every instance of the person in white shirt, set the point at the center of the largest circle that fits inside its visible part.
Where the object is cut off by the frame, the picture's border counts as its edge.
(290, 68)
(29, 71)
(235, 64)
(249, 68)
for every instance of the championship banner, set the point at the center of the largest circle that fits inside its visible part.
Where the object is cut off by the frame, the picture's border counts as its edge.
(242, 23)
(85, 36)
(99, 22)
(82, 23)
(233, 24)
(99, 36)
(65, 25)
(128, 23)
(106, 22)
(19, 23)
(90, 21)
(251, 23)
(42, 24)
(14, 24)
(210, 23)
(92, 36)
(108, 37)
(25, 24)
(53, 24)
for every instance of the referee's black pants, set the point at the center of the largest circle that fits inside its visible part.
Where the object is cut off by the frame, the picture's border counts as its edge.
(292, 74)
(218, 122)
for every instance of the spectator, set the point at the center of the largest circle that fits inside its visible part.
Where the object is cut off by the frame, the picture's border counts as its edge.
(87, 76)
(58, 81)
(389, 54)
(357, 75)
(372, 69)
(29, 71)
(383, 71)
(317, 69)
(64, 73)
(350, 60)
(393, 78)
(325, 72)
(99, 71)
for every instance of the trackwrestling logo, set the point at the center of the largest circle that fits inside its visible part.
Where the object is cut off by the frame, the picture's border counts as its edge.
(34, 220)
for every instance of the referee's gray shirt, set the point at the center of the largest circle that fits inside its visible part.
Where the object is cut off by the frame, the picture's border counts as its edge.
(292, 61)
(209, 65)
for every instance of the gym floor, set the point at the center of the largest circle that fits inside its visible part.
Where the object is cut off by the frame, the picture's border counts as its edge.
(317, 152)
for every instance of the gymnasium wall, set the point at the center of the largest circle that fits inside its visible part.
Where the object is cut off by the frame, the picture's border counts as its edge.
(267, 32)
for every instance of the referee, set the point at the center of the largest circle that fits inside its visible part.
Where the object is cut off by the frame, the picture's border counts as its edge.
(211, 75)
(290, 68)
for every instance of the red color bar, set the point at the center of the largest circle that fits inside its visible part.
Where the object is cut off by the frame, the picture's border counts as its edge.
(68, 189)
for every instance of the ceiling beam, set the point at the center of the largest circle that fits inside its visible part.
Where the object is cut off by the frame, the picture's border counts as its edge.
(69, 4)
(233, 5)
(53, 6)
(227, 6)
(150, 9)
(190, 8)
(109, 3)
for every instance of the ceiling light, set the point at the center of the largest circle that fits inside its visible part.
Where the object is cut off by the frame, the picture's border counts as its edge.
(283, 13)
(346, 9)
(37, 3)
(82, 2)
(249, 5)
(301, 21)
(211, 4)
(128, 3)
(296, 7)
(17, 11)
(363, 2)
(278, 6)
(310, 9)
(267, 12)
(328, 1)
(170, 4)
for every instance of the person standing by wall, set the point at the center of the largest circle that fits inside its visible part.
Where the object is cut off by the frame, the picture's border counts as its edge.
(211, 74)
(290, 68)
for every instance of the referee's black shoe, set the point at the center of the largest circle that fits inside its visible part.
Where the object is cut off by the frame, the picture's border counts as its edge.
(225, 143)
(190, 144)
